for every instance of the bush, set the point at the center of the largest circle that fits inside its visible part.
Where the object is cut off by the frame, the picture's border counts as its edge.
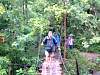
(4, 50)
(4, 65)
(94, 48)
(83, 64)
(28, 71)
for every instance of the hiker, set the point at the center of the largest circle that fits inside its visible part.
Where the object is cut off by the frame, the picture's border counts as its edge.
(70, 41)
(50, 43)
(58, 38)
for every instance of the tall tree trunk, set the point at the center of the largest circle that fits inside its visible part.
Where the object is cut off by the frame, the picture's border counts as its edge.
(65, 35)
(26, 14)
(65, 25)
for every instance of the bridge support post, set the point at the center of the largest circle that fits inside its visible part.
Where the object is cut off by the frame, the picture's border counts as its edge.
(65, 36)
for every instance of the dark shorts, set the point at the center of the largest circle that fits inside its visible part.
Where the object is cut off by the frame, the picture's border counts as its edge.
(70, 46)
(49, 51)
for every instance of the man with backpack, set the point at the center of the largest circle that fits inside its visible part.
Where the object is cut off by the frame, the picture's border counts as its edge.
(50, 44)
(58, 38)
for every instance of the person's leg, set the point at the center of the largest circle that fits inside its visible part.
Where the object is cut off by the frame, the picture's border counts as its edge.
(68, 46)
(71, 46)
(46, 55)
(51, 55)
(53, 51)
(46, 59)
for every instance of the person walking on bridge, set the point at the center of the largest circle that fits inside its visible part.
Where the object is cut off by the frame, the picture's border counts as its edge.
(70, 41)
(50, 44)
(58, 38)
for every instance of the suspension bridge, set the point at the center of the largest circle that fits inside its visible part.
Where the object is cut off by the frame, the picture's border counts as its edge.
(53, 67)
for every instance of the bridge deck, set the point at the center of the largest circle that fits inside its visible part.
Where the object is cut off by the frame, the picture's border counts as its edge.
(51, 68)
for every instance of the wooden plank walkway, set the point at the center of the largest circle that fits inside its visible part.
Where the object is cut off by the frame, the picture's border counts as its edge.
(52, 67)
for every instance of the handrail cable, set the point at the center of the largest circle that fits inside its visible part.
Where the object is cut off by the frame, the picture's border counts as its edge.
(62, 61)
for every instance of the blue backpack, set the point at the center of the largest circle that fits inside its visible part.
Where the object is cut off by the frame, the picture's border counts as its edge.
(57, 37)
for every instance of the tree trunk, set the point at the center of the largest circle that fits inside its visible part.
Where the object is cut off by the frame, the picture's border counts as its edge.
(77, 67)
(10, 69)
(65, 35)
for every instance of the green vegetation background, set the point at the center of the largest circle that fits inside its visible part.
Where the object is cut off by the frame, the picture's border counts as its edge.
(24, 23)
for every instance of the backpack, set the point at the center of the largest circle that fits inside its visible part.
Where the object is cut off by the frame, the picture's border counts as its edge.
(57, 37)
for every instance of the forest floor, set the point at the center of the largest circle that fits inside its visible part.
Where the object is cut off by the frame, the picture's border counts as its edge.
(90, 56)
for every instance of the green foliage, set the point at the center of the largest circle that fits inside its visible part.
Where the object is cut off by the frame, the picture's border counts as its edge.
(4, 61)
(30, 60)
(83, 64)
(23, 21)
(2, 9)
(91, 45)
(94, 48)
(28, 71)
(4, 50)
